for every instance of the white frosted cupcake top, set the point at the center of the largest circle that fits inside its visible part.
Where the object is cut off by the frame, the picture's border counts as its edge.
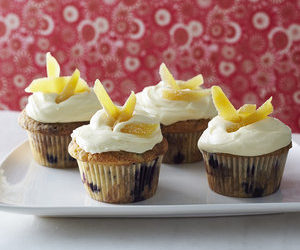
(60, 99)
(99, 136)
(262, 137)
(171, 111)
(248, 131)
(117, 128)
(42, 107)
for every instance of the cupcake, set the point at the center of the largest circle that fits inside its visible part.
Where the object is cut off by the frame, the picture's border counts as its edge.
(184, 110)
(244, 150)
(120, 152)
(57, 106)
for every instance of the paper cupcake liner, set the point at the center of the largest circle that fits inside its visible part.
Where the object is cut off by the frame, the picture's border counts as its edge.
(243, 176)
(51, 150)
(182, 147)
(120, 184)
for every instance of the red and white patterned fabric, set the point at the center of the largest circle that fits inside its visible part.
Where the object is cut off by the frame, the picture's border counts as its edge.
(249, 47)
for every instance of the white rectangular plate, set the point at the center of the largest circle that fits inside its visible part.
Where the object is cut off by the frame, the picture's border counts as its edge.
(26, 187)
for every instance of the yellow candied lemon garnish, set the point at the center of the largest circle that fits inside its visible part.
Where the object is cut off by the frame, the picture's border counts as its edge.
(140, 129)
(69, 88)
(193, 83)
(177, 88)
(167, 77)
(246, 110)
(224, 106)
(53, 69)
(261, 113)
(116, 114)
(128, 108)
(111, 109)
(246, 115)
(54, 83)
(179, 95)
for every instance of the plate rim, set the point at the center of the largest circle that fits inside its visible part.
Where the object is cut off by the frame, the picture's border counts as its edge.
(190, 210)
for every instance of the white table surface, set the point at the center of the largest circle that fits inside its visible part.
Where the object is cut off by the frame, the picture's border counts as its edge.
(279, 231)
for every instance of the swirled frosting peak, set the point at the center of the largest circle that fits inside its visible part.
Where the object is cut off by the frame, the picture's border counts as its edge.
(99, 136)
(118, 128)
(174, 100)
(60, 99)
(181, 90)
(42, 107)
(262, 137)
(246, 132)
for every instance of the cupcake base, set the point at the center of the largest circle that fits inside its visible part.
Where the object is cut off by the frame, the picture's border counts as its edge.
(182, 148)
(120, 184)
(245, 176)
(49, 141)
(119, 176)
(51, 150)
(182, 139)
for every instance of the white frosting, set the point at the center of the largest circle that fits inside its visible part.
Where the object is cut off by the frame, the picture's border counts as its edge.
(98, 136)
(171, 111)
(79, 107)
(262, 137)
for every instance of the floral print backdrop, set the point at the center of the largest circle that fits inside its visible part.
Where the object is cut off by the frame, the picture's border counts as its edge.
(249, 47)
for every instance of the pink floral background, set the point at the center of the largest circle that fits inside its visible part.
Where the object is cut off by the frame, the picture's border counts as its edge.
(249, 47)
